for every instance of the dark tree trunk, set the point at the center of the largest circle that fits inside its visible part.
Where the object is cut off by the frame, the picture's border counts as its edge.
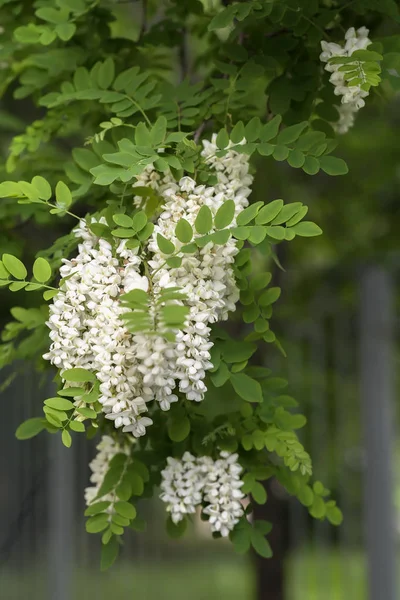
(270, 572)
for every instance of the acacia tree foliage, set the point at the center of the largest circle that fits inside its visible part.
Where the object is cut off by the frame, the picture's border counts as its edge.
(118, 146)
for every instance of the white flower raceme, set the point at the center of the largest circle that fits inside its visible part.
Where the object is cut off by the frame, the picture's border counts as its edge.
(192, 481)
(106, 450)
(222, 492)
(352, 95)
(86, 329)
(85, 317)
(206, 277)
(181, 486)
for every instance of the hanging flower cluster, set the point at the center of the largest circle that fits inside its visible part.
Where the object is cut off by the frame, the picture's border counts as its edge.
(106, 450)
(348, 77)
(87, 330)
(190, 482)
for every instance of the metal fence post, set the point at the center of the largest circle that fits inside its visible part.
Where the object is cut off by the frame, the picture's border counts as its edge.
(377, 394)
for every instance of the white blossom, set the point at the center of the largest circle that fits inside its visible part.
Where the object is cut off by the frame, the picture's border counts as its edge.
(352, 96)
(85, 322)
(222, 492)
(190, 482)
(106, 450)
(181, 486)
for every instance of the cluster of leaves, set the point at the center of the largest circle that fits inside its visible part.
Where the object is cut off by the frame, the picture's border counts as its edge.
(66, 415)
(361, 69)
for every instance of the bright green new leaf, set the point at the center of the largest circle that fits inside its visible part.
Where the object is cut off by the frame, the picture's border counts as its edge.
(122, 220)
(78, 375)
(269, 212)
(125, 509)
(41, 270)
(14, 266)
(63, 195)
(59, 403)
(66, 438)
(28, 429)
(307, 229)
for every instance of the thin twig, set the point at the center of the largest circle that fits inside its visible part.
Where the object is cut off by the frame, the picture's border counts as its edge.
(199, 131)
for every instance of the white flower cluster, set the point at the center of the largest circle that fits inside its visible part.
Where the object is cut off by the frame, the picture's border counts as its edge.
(192, 481)
(206, 277)
(87, 332)
(86, 328)
(352, 95)
(106, 450)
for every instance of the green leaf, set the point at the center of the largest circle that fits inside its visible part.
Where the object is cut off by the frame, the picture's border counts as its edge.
(225, 214)
(260, 544)
(97, 523)
(204, 220)
(97, 508)
(223, 18)
(49, 294)
(246, 387)
(292, 133)
(334, 515)
(123, 233)
(125, 509)
(139, 221)
(260, 281)
(16, 286)
(184, 231)
(28, 429)
(109, 553)
(237, 133)
(269, 212)
(63, 195)
(252, 129)
(59, 403)
(65, 31)
(71, 392)
(41, 270)
(333, 166)
(105, 73)
(259, 493)
(270, 130)
(179, 429)
(367, 55)
(66, 438)
(159, 130)
(296, 158)
(307, 229)
(220, 237)
(222, 140)
(42, 186)
(311, 165)
(269, 296)
(166, 246)
(122, 220)
(176, 530)
(78, 375)
(77, 426)
(14, 266)
(248, 214)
